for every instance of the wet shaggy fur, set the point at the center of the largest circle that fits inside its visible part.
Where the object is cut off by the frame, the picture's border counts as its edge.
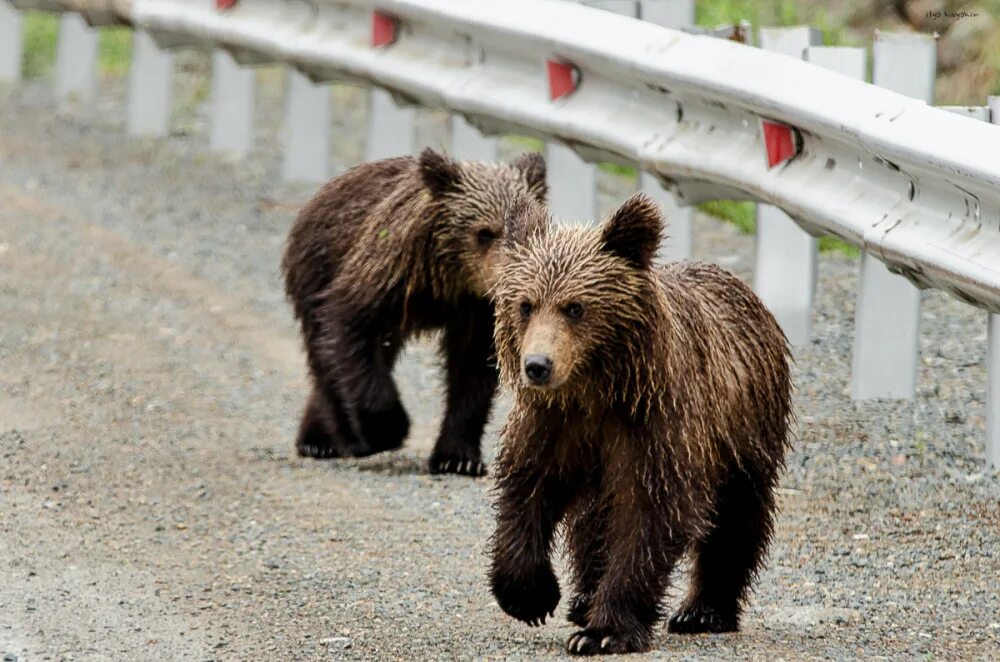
(658, 427)
(388, 250)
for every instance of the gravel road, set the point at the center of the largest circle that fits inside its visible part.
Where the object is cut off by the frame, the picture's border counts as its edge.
(152, 507)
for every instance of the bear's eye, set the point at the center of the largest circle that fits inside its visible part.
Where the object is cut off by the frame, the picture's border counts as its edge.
(485, 236)
(525, 310)
(574, 311)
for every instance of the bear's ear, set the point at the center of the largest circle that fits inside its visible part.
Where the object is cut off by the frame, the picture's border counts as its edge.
(440, 173)
(532, 167)
(524, 219)
(633, 232)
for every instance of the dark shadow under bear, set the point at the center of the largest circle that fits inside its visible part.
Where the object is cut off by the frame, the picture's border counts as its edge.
(650, 419)
(388, 250)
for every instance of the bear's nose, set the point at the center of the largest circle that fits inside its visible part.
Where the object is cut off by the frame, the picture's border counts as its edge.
(538, 368)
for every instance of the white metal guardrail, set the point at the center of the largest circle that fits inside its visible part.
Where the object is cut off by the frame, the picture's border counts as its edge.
(917, 188)
(924, 184)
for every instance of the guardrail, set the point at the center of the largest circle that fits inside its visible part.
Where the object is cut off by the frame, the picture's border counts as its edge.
(917, 188)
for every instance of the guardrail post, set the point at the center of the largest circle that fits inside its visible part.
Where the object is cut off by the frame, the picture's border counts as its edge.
(469, 144)
(785, 270)
(150, 97)
(306, 130)
(674, 14)
(573, 181)
(678, 241)
(887, 313)
(981, 113)
(76, 59)
(851, 62)
(11, 43)
(993, 357)
(390, 128)
(232, 105)
(572, 185)
(989, 113)
(625, 7)
(993, 391)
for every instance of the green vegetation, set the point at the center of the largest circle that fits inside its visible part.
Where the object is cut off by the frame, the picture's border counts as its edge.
(767, 13)
(743, 216)
(40, 34)
(115, 55)
(739, 213)
(827, 244)
(41, 31)
(528, 143)
(618, 169)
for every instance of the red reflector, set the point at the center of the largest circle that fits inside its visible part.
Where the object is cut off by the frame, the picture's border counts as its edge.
(225, 4)
(780, 141)
(383, 29)
(564, 78)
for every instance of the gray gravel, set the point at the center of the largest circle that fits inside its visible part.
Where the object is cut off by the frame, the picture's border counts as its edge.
(151, 505)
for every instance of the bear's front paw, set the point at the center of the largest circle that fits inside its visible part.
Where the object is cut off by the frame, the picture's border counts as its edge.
(448, 464)
(530, 599)
(698, 618)
(593, 641)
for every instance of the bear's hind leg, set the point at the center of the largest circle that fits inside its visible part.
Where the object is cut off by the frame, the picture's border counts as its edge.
(326, 430)
(382, 418)
(468, 351)
(726, 562)
(320, 435)
(361, 357)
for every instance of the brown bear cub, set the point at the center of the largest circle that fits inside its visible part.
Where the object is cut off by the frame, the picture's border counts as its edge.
(388, 250)
(650, 418)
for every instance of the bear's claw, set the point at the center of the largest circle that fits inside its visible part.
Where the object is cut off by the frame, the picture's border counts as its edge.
(453, 465)
(318, 452)
(540, 620)
(697, 618)
(598, 642)
(333, 449)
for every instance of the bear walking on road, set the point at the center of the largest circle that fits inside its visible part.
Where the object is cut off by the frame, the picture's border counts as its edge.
(651, 417)
(388, 250)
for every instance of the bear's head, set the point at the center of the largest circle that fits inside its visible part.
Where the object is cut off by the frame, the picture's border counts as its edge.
(480, 208)
(574, 304)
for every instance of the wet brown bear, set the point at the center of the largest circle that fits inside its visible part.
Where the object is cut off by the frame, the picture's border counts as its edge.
(650, 418)
(387, 250)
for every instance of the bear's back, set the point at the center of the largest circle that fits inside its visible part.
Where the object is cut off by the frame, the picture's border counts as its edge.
(711, 296)
(327, 226)
(736, 352)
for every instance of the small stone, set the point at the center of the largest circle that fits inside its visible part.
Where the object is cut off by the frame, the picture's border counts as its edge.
(336, 642)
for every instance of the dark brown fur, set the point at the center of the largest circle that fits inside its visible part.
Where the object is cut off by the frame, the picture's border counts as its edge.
(388, 250)
(661, 429)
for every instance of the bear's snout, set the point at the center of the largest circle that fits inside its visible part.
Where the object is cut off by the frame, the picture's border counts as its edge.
(538, 369)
